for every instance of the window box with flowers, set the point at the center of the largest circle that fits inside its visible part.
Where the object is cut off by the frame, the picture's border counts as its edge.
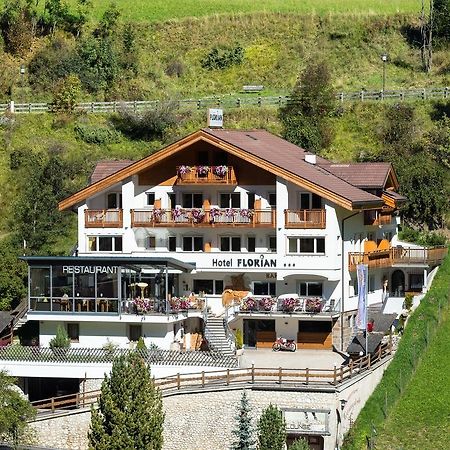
(177, 214)
(289, 304)
(266, 303)
(249, 304)
(214, 214)
(184, 170)
(246, 214)
(157, 215)
(313, 304)
(202, 171)
(142, 305)
(197, 215)
(220, 171)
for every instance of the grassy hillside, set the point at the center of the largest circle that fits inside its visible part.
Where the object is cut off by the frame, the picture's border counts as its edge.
(409, 408)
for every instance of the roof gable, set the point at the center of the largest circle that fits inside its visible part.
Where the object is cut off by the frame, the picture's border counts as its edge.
(261, 149)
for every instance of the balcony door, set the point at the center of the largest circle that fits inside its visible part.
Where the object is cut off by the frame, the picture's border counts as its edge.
(230, 200)
(310, 201)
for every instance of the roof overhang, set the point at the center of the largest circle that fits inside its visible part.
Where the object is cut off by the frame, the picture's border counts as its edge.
(124, 261)
(155, 158)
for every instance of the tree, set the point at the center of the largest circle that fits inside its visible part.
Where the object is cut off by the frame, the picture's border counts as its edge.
(15, 411)
(67, 95)
(441, 19)
(271, 429)
(306, 116)
(61, 339)
(244, 430)
(130, 414)
(300, 444)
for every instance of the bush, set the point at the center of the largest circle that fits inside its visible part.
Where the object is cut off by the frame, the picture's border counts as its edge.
(67, 94)
(408, 301)
(239, 339)
(97, 135)
(175, 68)
(425, 238)
(300, 444)
(61, 340)
(141, 344)
(221, 59)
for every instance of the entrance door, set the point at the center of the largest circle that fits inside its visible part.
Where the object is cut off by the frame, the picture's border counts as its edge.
(249, 333)
(398, 283)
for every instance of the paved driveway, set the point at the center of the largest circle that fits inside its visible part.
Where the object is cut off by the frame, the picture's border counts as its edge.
(301, 359)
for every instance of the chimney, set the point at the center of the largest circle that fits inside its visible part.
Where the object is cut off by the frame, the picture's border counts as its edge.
(310, 158)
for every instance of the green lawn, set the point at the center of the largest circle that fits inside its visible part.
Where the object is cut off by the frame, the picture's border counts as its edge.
(158, 10)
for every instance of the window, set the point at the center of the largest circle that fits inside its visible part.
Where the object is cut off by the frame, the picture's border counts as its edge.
(310, 289)
(73, 331)
(192, 243)
(203, 158)
(114, 200)
(310, 201)
(150, 198)
(104, 243)
(264, 288)
(251, 244)
(251, 200)
(212, 287)
(272, 199)
(192, 200)
(272, 244)
(220, 158)
(230, 200)
(172, 199)
(230, 244)
(172, 243)
(150, 243)
(134, 332)
(306, 245)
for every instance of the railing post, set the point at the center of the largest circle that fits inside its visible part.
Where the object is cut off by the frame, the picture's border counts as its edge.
(178, 381)
(228, 377)
(12, 109)
(368, 361)
(92, 107)
(341, 374)
(77, 400)
(253, 374)
(53, 404)
(203, 378)
(351, 367)
(280, 374)
(307, 375)
(335, 376)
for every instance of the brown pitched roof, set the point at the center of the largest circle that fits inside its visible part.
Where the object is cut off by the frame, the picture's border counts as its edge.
(104, 169)
(260, 148)
(362, 175)
(290, 157)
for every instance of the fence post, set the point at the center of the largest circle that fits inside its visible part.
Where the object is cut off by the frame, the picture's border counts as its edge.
(53, 404)
(335, 376)
(280, 374)
(12, 108)
(361, 96)
(203, 378)
(307, 375)
(115, 107)
(238, 102)
(228, 377)
(199, 104)
(178, 381)
(259, 101)
(253, 374)
(29, 108)
(351, 367)
(446, 89)
(368, 361)
(77, 400)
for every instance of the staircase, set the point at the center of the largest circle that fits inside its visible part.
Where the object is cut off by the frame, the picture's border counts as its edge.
(217, 337)
(22, 321)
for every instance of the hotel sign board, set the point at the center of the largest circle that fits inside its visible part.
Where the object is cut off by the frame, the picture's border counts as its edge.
(307, 421)
(244, 263)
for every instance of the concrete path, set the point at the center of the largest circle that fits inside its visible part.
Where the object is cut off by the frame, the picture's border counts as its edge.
(301, 359)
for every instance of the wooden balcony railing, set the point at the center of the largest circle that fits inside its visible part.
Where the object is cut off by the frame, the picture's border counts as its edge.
(305, 218)
(206, 175)
(103, 218)
(197, 217)
(398, 257)
(375, 217)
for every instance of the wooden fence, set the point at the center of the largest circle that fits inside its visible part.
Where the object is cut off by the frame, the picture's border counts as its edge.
(294, 378)
(433, 93)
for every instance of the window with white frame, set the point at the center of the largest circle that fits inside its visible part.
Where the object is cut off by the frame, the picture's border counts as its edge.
(104, 243)
(230, 200)
(192, 243)
(308, 245)
(308, 200)
(150, 198)
(272, 243)
(192, 200)
(310, 288)
(264, 288)
(114, 200)
(213, 287)
(230, 244)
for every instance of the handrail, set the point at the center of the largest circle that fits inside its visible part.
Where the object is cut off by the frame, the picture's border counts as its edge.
(252, 375)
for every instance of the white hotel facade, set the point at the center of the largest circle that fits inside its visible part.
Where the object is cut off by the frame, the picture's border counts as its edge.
(161, 239)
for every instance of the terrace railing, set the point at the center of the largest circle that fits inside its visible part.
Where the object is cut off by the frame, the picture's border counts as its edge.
(399, 256)
(103, 218)
(198, 217)
(305, 218)
(206, 175)
(249, 377)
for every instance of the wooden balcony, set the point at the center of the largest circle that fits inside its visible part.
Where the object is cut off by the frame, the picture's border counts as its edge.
(103, 218)
(196, 217)
(375, 217)
(398, 257)
(206, 175)
(305, 218)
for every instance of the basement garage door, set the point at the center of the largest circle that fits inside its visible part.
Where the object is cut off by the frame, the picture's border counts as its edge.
(314, 335)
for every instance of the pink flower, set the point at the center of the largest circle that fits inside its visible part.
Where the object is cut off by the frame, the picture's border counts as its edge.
(220, 171)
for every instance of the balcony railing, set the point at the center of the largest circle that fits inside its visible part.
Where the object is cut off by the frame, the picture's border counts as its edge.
(197, 217)
(375, 217)
(398, 256)
(103, 218)
(206, 175)
(305, 218)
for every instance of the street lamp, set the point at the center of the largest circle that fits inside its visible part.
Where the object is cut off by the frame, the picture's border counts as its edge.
(384, 58)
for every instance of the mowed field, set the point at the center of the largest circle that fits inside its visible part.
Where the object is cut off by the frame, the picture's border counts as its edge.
(161, 10)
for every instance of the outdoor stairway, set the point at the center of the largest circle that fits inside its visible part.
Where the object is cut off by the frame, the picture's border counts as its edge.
(215, 333)
(22, 321)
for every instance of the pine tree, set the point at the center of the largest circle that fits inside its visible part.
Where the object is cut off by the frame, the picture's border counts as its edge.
(271, 429)
(300, 444)
(244, 431)
(130, 414)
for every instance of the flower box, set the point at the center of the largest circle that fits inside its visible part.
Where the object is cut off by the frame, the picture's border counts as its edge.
(202, 171)
(183, 170)
(266, 303)
(313, 305)
(220, 171)
(249, 304)
(289, 304)
(197, 215)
